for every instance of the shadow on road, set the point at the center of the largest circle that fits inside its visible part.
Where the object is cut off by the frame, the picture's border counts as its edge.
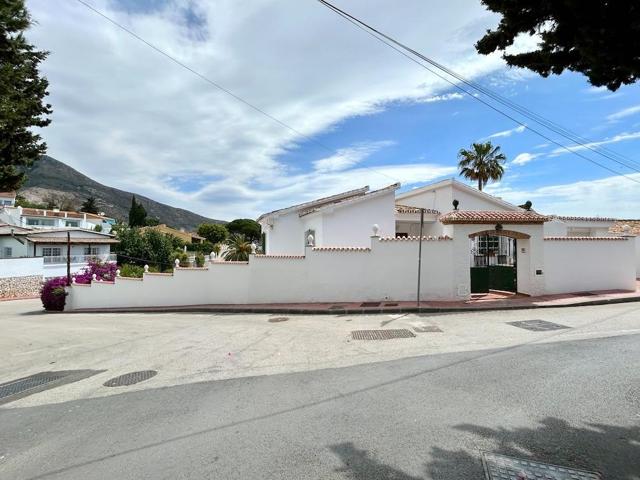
(612, 451)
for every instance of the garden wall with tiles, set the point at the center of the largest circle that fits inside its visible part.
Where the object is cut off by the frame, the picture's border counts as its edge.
(385, 271)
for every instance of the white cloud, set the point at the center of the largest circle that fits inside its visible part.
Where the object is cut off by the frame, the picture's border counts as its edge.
(627, 112)
(524, 158)
(621, 137)
(348, 157)
(615, 196)
(508, 133)
(443, 98)
(128, 117)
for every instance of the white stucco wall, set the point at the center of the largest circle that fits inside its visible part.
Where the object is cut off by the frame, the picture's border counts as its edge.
(387, 271)
(345, 224)
(20, 267)
(17, 249)
(587, 265)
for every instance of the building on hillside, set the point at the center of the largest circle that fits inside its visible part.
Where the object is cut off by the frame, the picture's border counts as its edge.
(342, 220)
(54, 219)
(50, 247)
(187, 237)
(7, 199)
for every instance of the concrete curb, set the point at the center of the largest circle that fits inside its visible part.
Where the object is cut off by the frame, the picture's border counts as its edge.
(350, 311)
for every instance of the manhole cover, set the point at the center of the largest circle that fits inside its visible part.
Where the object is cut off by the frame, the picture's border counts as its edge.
(370, 304)
(39, 382)
(278, 319)
(501, 467)
(381, 334)
(130, 378)
(427, 329)
(538, 325)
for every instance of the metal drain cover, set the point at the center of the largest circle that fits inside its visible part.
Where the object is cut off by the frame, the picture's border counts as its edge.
(381, 334)
(130, 378)
(501, 467)
(39, 382)
(278, 319)
(427, 329)
(370, 304)
(538, 325)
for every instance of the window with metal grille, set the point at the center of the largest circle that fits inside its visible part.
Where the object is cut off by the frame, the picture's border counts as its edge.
(51, 251)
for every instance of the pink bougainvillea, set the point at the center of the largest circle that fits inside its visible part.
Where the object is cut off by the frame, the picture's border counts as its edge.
(53, 294)
(103, 271)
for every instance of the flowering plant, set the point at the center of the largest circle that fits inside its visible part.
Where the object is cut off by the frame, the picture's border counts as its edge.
(53, 294)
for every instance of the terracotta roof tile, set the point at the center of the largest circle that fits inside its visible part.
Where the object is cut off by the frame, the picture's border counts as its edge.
(341, 249)
(410, 209)
(585, 239)
(297, 257)
(428, 238)
(492, 216)
(583, 219)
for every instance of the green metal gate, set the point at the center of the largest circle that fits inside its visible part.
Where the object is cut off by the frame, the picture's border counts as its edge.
(492, 270)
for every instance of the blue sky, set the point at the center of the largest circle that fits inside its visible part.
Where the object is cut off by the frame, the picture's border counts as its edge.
(130, 118)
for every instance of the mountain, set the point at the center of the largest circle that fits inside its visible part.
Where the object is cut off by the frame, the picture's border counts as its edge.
(49, 177)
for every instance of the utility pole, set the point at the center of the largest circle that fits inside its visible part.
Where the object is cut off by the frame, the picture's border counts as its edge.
(420, 255)
(68, 258)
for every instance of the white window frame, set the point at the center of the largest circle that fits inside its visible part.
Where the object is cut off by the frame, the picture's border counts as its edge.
(51, 251)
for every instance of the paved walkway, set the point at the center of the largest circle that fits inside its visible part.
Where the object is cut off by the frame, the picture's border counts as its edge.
(494, 300)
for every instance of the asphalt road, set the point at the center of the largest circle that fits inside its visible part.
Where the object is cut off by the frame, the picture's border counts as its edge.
(570, 403)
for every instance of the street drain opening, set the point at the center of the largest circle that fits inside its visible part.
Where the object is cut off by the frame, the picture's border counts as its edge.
(278, 319)
(538, 325)
(501, 467)
(370, 304)
(130, 378)
(22, 387)
(381, 334)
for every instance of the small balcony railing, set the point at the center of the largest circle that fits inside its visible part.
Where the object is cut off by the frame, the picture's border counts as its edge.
(105, 257)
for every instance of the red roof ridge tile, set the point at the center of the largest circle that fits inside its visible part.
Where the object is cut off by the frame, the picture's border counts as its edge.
(585, 239)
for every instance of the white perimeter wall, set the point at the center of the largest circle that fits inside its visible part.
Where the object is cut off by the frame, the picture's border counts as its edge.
(387, 271)
(586, 265)
(20, 267)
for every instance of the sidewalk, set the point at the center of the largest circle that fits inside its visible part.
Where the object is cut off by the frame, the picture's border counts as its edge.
(479, 302)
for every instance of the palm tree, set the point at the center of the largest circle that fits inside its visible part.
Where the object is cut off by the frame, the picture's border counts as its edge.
(238, 248)
(483, 162)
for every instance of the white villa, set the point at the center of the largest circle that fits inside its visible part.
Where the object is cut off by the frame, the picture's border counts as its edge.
(364, 246)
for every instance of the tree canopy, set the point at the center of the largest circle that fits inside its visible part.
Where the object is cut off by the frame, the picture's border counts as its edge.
(22, 91)
(483, 162)
(213, 232)
(250, 229)
(597, 38)
(89, 206)
(137, 214)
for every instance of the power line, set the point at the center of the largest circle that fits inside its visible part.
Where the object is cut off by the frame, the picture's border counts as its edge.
(220, 87)
(389, 41)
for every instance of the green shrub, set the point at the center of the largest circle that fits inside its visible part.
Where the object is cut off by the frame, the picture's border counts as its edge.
(199, 260)
(130, 270)
(182, 256)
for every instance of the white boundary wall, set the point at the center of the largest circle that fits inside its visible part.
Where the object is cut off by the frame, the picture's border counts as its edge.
(387, 271)
(575, 264)
(21, 267)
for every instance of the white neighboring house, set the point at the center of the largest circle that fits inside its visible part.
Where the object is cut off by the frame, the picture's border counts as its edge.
(342, 220)
(54, 219)
(7, 199)
(50, 246)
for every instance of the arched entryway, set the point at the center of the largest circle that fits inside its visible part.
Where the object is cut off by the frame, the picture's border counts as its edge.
(493, 260)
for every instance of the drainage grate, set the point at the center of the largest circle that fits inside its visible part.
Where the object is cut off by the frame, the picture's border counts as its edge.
(278, 319)
(381, 334)
(130, 378)
(427, 329)
(370, 304)
(501, 467)
(538, 325)
(39, 382)
(390, 304)
(337, 307)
